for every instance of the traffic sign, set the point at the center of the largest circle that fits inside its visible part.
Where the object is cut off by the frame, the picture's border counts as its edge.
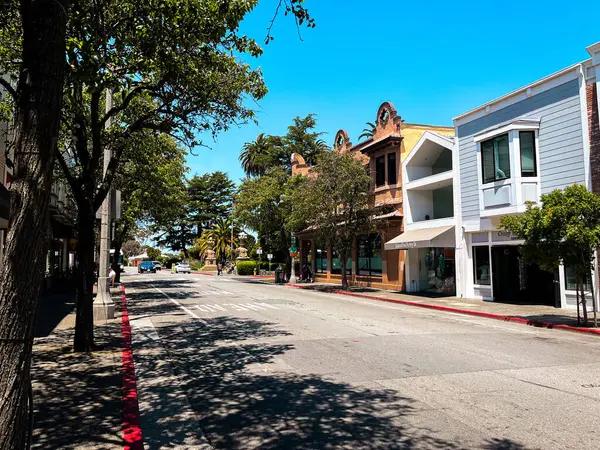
(259, 251)
(270, 256)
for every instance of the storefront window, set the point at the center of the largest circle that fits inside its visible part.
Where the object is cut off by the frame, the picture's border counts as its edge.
(369, 255)
(481, 265)
(321, 257)
(335, 264)
(571, 280)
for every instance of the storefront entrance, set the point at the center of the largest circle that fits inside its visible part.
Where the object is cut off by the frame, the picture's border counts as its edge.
(437, 270)
(515, 281)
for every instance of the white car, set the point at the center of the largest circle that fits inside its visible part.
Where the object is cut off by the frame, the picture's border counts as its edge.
(183, 268)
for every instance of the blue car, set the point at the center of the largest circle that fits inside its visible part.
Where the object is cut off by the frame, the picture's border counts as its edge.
(146, 266)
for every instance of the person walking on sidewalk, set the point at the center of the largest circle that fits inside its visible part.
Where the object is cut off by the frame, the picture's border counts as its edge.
(219, 268)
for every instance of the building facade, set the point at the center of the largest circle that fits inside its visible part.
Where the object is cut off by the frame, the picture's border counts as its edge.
(371, 264)
(510, 151)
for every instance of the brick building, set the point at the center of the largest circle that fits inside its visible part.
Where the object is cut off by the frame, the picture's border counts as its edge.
(370, 264)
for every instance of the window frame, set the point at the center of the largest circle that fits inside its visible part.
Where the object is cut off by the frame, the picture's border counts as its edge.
(492, 139)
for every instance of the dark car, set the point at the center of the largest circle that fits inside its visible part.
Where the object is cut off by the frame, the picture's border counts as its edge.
(146, 266)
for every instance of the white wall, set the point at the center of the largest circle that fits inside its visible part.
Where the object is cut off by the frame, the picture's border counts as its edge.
(420, 204)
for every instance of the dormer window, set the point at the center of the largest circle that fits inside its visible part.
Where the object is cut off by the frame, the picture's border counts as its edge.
(495, 159)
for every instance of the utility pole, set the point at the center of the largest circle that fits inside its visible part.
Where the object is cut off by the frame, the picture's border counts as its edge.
(104, 308)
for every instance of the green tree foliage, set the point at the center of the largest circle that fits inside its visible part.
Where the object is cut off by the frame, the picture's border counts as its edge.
(153, 253)
(176, 229)
(150, 179)
(211, 195)
(564, 229)
(368, 132)
(261, 205)
(131, 248)
(337, 202)
(275, 151)
(172, 67)
(221, 235)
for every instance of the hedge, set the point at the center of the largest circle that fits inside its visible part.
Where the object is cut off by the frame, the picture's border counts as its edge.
(246, 267)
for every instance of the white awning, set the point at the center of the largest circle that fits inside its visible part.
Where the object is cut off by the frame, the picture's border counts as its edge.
(428, 237)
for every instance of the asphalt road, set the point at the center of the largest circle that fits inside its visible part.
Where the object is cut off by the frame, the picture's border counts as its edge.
(238, 365)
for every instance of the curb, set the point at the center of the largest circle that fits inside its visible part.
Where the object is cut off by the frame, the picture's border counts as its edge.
(469, 312)
(132, 432)
(202, 273)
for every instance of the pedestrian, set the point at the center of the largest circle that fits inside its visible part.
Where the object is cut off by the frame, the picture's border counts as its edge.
(219, 268)
(111, 276)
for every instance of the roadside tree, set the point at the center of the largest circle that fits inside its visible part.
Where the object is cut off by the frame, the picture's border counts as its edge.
(564, 229)
(211, 195)
(32, 69)
(337, 203)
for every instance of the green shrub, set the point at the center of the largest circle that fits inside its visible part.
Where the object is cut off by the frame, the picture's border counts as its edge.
(246, 267)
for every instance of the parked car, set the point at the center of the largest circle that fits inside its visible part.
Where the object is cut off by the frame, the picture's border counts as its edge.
(157, 265)
(146, 266)
(183, 267)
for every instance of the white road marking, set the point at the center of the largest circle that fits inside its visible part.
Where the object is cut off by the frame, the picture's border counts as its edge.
(143, 330)
(267, 305)
(254, 307)
(191, 313)
(236, 307)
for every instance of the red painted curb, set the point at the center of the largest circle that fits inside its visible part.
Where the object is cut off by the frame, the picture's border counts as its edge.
(132, 431)
(469, 312)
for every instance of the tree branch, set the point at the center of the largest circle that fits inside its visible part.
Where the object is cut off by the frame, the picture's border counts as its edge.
(9, 89)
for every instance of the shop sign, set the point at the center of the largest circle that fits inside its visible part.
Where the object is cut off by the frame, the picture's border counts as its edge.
(501, 236)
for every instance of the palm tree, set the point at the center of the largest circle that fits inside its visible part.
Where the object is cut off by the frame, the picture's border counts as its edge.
(368, 132)
(256, 156)
(220, 233)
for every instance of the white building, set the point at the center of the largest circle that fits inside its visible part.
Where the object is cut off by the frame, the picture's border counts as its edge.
(429, 219)
(511, 150)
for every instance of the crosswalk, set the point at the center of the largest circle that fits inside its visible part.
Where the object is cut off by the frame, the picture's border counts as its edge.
(227, 307)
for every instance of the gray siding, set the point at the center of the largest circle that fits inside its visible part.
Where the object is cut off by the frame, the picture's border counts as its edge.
(560, 142)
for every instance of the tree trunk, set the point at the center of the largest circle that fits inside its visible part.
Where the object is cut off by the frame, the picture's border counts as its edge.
(186, 254)
(594, 302)
(38, 107)
(84, 322)
(577, 301)
(343, 262)
(584, 303)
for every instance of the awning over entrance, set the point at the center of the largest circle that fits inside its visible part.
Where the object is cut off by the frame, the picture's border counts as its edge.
(428, 237)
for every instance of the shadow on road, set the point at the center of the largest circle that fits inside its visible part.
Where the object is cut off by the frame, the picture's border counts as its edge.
(245, 396)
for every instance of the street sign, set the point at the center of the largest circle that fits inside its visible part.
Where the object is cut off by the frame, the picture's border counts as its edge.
(270, 256)
(259, 251)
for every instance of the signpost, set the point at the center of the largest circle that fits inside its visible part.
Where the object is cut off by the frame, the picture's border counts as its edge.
(259, 252)
(293, 254)
(270, 257)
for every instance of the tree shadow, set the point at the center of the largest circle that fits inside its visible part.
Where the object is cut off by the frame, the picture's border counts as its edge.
(52, 309)
(77, 396)
(503, 444)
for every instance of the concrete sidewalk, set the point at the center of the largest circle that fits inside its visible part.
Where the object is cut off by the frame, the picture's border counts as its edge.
(77, 396)
(534, 315)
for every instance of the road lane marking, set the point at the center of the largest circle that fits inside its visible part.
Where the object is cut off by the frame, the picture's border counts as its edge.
(267, 305)
(236, 307)
(253, 306)
(191, 313)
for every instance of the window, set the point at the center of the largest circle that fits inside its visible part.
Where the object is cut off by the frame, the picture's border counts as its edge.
(571, 281)
(321, 257)
(391, 168)
(481, 265)
(527, 143)
(495, 159)
(380, 171)
(335, 264)
(369, 255)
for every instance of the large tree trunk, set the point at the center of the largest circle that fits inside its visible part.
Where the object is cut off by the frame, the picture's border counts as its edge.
(39, 96)
(84, 323)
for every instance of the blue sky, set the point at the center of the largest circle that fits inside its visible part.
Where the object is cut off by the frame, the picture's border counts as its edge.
(433, 60)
